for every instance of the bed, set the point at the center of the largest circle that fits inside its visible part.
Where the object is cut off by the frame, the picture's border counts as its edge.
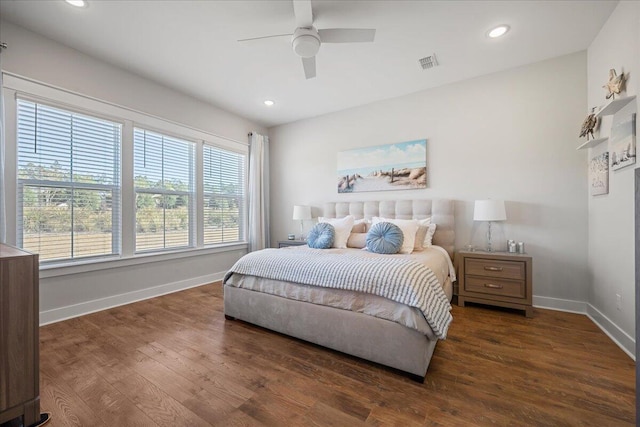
(371, 327)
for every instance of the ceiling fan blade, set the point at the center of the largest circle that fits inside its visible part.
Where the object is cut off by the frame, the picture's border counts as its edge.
(304, 14)
(346, 35)
(309, 65)
(264, 37)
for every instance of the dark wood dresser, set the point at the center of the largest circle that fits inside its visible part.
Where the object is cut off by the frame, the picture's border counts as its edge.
(19, 322)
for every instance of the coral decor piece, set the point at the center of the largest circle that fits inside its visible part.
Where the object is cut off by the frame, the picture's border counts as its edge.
(615, 85)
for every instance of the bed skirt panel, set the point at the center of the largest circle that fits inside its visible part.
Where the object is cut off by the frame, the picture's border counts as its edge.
(357, 334)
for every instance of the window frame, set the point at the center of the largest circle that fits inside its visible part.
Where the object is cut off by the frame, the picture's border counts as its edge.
(16, 86)
(242, 206)
(193, 194)
(116, 188)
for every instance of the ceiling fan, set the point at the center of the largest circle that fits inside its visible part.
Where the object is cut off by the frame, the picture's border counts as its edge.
(306, 39)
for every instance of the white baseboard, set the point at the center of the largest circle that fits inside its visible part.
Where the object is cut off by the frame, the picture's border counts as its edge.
(626, 342)
(70, 311)
(617, 335)
(558, 304)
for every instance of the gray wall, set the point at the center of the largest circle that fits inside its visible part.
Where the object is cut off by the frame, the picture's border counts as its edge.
(510, 135)
(69, 292)
(611, 219)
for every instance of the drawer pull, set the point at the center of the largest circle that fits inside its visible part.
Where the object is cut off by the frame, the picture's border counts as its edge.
(492, 286)
(492, 268)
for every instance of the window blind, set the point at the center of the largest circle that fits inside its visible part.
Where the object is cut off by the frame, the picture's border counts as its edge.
(164, 187)
(224, 196)
(68, 183)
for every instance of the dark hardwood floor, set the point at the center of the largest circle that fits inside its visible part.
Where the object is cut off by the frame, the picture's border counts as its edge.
(175, 361)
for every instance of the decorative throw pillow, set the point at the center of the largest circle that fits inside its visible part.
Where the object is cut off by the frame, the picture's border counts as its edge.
(359, 226)
(409, 228)
(384, 238)
(321, 236)
(357, 240)
(343, 228)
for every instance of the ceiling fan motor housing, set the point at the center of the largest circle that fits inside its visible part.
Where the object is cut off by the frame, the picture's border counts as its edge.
(305, 42)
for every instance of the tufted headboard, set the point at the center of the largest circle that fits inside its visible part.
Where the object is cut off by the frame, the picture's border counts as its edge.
(440, 211)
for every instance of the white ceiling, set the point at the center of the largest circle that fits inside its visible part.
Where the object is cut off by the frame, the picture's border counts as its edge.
(191, 45)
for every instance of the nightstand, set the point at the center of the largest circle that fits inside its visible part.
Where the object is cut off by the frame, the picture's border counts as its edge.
(495, 278)
(285, 243)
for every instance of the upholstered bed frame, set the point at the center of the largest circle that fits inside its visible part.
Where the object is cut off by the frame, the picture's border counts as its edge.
(440, 211)
(357, 334)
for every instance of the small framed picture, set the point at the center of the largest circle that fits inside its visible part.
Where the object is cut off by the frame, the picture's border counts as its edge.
(623, 143)
(599, 174)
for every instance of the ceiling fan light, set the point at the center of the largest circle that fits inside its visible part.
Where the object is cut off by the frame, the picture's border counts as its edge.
(306, 45)
(305, 42)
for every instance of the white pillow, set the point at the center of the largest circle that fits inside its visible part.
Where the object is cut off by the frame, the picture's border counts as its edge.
(423, 229)
(343, 228)
(426, 222)
(420, 235)
(431, 229)
(429, 237)
(409, 228)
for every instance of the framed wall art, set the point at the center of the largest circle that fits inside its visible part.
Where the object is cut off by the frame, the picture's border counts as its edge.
(599, 174)
(623, 143)
(399, 166)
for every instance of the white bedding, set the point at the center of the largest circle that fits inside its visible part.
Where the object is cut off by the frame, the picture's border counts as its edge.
(434, 257)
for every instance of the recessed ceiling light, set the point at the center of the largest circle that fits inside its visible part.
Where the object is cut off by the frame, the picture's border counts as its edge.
(77, 3)
(269, 103)
(498, 31)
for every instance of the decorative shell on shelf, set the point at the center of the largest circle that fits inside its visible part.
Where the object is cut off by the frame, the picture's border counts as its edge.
(615, 84)
(589, 125)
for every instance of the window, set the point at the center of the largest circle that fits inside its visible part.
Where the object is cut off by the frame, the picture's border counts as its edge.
(224, 202)
(97, 185)
(68, 183)
(164, 188)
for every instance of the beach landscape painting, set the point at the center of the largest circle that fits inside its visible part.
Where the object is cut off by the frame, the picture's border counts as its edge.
(399, 166)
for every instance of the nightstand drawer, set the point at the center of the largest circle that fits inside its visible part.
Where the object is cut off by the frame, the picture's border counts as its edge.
(493, 268)
(287, 243)
(495, 278)
(493, 286)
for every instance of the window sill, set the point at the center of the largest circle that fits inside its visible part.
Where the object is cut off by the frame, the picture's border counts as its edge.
(65, 269)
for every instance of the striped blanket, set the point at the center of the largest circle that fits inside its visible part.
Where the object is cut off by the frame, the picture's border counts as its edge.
(398, 279)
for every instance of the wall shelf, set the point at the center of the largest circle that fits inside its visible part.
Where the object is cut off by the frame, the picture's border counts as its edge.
(615, 106)
(592, 143)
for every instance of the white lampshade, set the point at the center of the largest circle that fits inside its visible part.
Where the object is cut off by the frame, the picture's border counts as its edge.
(489, 210)
(301, 212)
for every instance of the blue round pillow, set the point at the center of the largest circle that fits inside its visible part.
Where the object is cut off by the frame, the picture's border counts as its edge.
(321, 236)
(385, 238)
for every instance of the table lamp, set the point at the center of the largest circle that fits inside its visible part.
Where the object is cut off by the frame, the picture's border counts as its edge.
(489, 210)
(301, 213)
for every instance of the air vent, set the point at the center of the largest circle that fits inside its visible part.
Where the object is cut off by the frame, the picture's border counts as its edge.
(428, 62)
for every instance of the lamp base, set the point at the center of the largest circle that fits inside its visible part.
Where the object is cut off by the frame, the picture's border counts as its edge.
(489, 246)
(302, 237)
